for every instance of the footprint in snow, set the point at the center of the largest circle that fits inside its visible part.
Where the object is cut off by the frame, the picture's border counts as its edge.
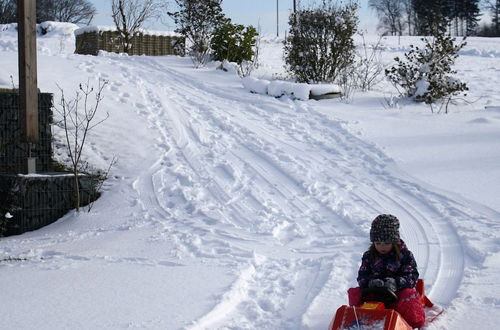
(479, 121)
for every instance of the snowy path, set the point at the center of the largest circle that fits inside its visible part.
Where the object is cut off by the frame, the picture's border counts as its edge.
(237, 168)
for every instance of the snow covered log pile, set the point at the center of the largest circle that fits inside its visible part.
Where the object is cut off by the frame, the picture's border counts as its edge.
(90, 40)
(299, 91)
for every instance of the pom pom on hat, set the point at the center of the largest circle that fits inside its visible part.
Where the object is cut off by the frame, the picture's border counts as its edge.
(385, 228)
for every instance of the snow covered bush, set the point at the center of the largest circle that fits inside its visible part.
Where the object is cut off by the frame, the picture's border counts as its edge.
(425, 74)
(198, 20)
(320, 42)
(234, 43)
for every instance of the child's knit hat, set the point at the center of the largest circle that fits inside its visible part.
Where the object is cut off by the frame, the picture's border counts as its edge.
(385, 228)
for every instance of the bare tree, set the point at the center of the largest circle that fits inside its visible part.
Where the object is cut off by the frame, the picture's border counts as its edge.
(8, 11)
(390, 13)
(130, 15)
(410, 16)
(72, 11)
(369, 65)
(78, 120)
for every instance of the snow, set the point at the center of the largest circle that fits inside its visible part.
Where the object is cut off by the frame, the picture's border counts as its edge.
(102, 28)
(234, 210)
(279, 88)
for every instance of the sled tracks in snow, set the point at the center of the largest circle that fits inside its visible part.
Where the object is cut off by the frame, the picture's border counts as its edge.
(282, 195)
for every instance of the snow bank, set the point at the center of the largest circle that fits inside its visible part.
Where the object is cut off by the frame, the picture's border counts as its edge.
(53, 38)
(48, 29)
(51, 29)
(279, 88)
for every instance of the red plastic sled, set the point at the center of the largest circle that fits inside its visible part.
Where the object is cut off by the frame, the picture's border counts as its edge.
(374, 315)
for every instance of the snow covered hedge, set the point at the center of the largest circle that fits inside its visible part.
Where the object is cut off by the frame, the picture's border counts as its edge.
(279, 88)
(320, 43)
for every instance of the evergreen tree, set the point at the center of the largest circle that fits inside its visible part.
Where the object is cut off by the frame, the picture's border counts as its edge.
(425, 74)
(198, 20)
(493, 7)
(470, 16)
(462, 14)
(430, 14)
(234, 42)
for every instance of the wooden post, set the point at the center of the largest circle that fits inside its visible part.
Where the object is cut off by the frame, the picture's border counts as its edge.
(28, 91)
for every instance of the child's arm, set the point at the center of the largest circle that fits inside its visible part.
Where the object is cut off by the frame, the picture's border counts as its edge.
(364, 273)
(409, 274)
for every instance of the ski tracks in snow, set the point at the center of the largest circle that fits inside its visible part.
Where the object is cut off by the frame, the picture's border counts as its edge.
(246, 181)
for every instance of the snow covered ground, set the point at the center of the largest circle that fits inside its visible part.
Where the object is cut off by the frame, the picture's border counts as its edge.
(233, 210)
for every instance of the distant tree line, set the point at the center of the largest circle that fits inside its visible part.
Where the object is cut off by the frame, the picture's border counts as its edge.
(421, 17)
(72, 11)
(493, 28)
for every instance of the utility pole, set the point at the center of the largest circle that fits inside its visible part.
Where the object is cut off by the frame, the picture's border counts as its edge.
(28, 91)
(294, 6)
(277, 19)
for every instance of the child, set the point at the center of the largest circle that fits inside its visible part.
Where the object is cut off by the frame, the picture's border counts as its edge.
(389, 264)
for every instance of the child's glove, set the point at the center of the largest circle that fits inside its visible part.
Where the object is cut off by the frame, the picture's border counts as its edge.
(390, 284)
(376, 283)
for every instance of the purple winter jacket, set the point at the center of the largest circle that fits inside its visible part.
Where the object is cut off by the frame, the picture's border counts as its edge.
(404, 272)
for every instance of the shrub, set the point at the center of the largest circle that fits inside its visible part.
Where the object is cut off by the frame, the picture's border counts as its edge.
(425, 74)
(234, 42)
(320, 43)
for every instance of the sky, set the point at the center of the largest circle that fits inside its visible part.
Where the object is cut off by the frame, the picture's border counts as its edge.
(246, 12)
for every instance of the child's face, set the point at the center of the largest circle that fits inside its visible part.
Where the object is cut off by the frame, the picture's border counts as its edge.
(383, 247)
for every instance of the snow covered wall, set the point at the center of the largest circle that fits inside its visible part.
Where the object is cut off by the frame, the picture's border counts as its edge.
(90, 40)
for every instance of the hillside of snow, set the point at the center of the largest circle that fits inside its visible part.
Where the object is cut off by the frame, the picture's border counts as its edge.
(234, 210)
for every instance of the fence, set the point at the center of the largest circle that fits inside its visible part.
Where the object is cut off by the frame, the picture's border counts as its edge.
(89, 41)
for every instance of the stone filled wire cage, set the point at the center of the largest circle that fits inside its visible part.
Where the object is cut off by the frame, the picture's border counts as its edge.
(13, 152)
(31, 201)
(90, 40)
